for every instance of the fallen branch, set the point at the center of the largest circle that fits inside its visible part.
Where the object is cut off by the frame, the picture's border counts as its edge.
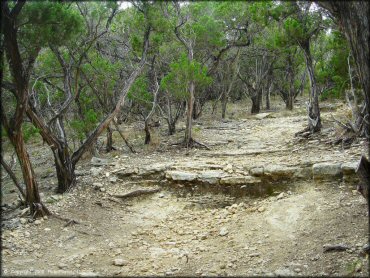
(68, 221)
(123, 137)
(335, 248)
(137, 193)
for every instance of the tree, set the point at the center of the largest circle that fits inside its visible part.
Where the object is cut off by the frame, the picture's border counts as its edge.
(184, 75)
(66, 162)
(301, 26)
(353, 19)
(32, 25)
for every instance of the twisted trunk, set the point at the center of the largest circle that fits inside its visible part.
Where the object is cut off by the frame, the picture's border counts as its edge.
(314, 120)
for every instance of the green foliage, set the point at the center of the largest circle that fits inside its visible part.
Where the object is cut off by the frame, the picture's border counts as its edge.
(81, 128)
(49, 22)
(29, 131)
(139, 91)
(181, 74)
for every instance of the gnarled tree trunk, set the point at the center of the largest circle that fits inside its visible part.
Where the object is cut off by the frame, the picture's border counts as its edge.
(314, 120)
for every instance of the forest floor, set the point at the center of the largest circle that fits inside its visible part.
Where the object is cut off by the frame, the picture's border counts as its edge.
(186, 229)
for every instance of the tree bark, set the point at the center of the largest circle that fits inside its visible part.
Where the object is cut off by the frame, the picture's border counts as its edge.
(314, 120)
(189, 117)
(109, 144)
(224, 104)
(147, 133)
(65, 169)
(33, 199)
(255, 104)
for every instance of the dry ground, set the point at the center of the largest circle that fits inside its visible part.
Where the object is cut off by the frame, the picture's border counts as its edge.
(173, 232)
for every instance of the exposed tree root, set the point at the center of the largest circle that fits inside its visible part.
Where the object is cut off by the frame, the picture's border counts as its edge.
(192, 144)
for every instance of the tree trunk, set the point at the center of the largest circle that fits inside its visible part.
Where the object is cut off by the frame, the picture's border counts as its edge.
(353, 18)
(197, 109)
(171, 127)
(255, 104)
(147, 133)
(65, 170)
(109, 145)
(32, 192)
(268, 102)
(189, 117)
(289, 102)
(314, 120)
(224, 104)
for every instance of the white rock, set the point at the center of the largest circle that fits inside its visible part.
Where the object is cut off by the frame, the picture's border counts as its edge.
(280, 196)
(119, 262)
(37, 222)
(223, 232)
(261, 209)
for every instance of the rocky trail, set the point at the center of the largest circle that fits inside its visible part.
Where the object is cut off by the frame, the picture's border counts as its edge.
(260, 202)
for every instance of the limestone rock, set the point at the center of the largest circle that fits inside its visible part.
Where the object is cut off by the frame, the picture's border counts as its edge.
(126, 172)
(211, 176)
(181, 175)
(257, 171)
(349, 168)
(154, 169)
(236, 180)
(327, 170)
(276, 172)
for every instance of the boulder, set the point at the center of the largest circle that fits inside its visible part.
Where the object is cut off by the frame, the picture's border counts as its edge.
(326, 170)
(126, 172)
(256, 171)
(276, 172)
(212, 177)
(303, 173)
(154, 169)
(181, 175)
(349, 168)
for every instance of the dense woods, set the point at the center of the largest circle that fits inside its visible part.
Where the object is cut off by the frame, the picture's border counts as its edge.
(73, 71)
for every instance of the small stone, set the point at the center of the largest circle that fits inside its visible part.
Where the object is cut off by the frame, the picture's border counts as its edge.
(254, 255)
(23, 221)
(62, 265)
(261, 209)
(47, 229)
(223, 232)
(119, 262)
(222, 266)
(280, 196)
(161, 195)
(298, 270)
(45, 217)
(37, 222)
(102, 189)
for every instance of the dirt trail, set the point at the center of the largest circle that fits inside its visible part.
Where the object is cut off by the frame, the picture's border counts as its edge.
(183, 232)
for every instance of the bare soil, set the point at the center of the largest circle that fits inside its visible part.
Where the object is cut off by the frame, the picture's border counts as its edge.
(182, 232)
